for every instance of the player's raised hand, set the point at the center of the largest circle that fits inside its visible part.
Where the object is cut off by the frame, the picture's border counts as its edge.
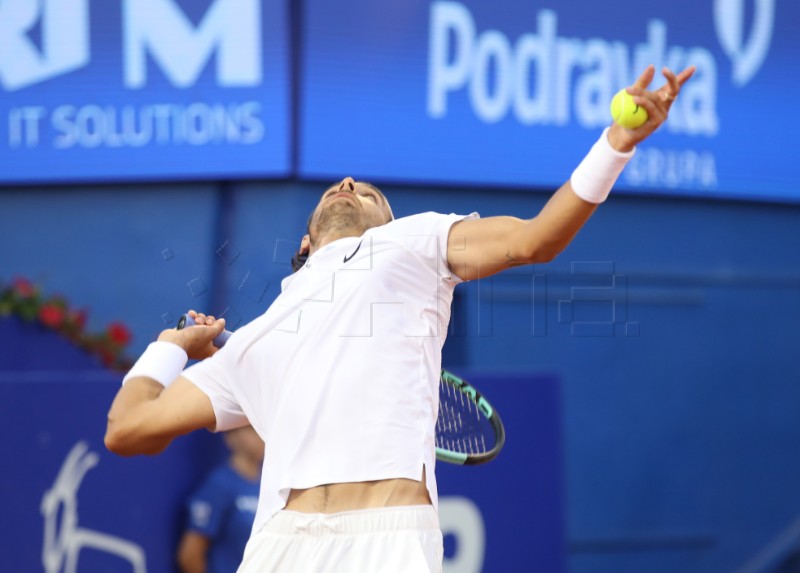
(657, 103)
(196, 340)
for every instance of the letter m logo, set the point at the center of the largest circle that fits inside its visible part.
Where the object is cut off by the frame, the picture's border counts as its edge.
(63, 46)
(231, 28)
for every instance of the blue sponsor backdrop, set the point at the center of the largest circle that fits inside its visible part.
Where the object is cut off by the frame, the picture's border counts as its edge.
(514, 93)
(143, 89)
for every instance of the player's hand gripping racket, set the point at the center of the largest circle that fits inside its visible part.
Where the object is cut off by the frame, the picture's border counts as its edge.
(186, 320)
(468, 430)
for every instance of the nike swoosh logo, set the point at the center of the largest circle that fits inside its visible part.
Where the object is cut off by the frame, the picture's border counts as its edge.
(346, 258)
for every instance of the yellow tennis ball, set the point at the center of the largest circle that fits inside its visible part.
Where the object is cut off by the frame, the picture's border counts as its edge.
(626, 113)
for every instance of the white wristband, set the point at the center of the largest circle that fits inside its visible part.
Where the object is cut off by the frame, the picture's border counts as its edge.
(162, 361)
(593, 179)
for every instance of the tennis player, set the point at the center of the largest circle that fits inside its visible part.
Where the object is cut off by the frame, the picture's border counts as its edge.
(340, 375)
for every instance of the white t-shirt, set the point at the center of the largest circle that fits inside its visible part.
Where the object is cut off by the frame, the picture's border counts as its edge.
(340, 376)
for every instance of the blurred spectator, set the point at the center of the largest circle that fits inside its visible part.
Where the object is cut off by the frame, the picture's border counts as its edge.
(222, 510)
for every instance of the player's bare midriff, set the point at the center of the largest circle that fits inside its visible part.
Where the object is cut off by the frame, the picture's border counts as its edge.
(333, 498)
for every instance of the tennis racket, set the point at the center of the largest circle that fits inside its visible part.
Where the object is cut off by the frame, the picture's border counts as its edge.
(468, 429)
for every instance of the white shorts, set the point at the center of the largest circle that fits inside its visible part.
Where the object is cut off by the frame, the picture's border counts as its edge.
(404, 539)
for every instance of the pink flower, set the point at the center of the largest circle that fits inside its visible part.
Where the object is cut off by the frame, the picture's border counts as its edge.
(119, 333)
(51, 315)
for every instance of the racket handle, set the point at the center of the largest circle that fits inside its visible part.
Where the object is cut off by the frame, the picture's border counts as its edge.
(186, 320)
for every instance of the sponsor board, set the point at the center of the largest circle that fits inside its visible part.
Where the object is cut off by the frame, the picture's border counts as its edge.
(143, 89)
(514, 93)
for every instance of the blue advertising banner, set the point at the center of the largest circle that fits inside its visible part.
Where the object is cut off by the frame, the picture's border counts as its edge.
(143, 89)
(514, 93)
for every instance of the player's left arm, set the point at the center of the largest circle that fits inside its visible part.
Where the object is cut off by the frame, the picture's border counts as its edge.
(478, 248)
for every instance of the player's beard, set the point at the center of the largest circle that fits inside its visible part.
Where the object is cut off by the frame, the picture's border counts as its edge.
(340, 218)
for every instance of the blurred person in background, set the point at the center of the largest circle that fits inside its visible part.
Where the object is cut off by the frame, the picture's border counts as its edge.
(221, 511)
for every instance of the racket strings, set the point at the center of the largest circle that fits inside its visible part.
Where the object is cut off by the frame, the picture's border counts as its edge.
(460, 426)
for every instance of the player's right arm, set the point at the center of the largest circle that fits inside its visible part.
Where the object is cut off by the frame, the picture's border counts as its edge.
(145, 417)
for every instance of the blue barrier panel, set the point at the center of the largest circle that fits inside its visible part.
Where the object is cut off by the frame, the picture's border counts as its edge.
(143, 89)
(68, 499)
(514, 93)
